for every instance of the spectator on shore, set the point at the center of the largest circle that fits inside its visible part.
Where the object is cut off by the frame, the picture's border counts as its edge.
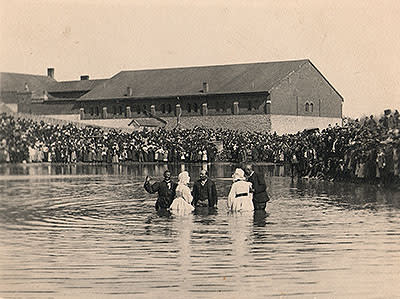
(354, 151)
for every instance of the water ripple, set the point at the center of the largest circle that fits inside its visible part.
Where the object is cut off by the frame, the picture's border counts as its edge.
(81, 235)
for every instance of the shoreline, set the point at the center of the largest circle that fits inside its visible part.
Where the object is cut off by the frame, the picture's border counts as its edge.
(355, 181)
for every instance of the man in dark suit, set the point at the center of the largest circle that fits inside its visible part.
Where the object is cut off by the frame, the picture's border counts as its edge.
(166, 190)
(204, 192)
(260, 196)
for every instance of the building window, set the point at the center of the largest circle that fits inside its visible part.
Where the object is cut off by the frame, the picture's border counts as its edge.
(311, 107)
(223, 107)
(138, 109)
(91, 111)
(144, 108)
(120, 110)
(249, 106)
(169, 108)
(97, 111)
(163, 108)
(195, 108)
(189, 108)
(306, 107)
(114, 110)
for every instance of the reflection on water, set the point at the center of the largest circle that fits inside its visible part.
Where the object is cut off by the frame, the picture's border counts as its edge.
(222, 170)
(84, 230)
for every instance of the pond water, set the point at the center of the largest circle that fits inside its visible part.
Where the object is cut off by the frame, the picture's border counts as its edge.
(92, 231)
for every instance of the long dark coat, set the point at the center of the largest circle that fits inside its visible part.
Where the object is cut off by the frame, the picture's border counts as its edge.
(165, 195)
(212, 193)
(260, 189)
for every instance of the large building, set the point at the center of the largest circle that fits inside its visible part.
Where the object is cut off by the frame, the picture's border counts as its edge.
(284, 96)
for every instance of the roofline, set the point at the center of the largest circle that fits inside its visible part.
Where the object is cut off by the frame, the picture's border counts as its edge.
(89, 80)
(67, 90)
(172, 96)
(300, 66)
(326, 80)
(52, 100)
(288, 75)
(52, 79)
(73, 82)
(44, 76)
(206, 66)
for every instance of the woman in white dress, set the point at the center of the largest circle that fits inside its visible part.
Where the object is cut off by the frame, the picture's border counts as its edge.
(240, 197)
(183, 200)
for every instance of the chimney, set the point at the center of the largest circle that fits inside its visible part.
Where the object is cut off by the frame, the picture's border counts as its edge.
(84, 77)
(50, 72)
(129, 91)
(205, 87)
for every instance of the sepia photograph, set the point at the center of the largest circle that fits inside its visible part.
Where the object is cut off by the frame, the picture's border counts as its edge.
(199, 149)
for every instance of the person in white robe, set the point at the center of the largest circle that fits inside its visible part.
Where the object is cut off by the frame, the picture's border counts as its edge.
(240, 197)
(183, 200)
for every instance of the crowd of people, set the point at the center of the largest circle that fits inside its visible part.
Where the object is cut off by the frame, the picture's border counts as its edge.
(365, 150)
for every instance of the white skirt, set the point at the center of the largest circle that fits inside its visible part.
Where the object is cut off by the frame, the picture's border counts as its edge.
(242, 203)
(179, 204)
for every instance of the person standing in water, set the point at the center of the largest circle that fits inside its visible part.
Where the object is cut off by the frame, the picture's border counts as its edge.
(165, 189)
(259, 188)
(183, 200)
(204, 192)
(240, 196)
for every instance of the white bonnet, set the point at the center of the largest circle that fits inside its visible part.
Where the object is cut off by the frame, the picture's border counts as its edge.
(238, 174)
(184, 177)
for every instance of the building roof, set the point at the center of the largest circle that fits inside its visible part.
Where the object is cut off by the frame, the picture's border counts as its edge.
(162, 83)
(147, 122)
(16, 82)
(78, 85)
(37, 84)
(171, 82)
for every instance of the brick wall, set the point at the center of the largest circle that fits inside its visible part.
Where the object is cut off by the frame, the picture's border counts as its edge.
(257, 122)
(305, 86)
(68, 107)
(285, 124)
(216, 105)
(236, 122)
(67, 117)
(9, 97)
(282, 124)
(8, 107)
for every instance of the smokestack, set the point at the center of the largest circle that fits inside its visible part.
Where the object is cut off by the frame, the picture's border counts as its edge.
(205, 87)
(50, 72)
(85, 77)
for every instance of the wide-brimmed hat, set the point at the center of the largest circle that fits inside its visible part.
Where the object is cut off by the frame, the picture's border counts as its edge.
(238, 174)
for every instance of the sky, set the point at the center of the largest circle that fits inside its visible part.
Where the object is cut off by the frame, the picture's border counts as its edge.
(355, 44)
